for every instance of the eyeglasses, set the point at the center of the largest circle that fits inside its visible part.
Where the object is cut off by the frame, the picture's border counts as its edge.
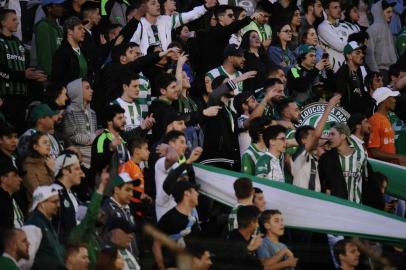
(281, 139)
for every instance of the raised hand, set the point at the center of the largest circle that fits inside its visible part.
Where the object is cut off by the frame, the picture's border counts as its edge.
(148, 122)
(194, 156)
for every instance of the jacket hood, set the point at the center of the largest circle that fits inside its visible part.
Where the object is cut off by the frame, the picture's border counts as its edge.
(377, 12)
(75, 93)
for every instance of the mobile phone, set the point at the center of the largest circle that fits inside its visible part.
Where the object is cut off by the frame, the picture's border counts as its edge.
(325, 56)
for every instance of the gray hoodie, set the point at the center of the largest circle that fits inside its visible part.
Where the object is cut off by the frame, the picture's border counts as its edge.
(381, 52)
(79, 123)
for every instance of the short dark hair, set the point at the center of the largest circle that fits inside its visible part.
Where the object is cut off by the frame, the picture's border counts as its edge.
(8, 237)
(273, 70)
(339, 248)
(151, 48)
(358, 37)
(302, 132)
(354, 120)
(173, 135)
(132, 7)
(3, 14)
(110, 111)
(121, 50)
(394, 70)
(127, 77)
(137, 142)
(163, 80)
(257, 191)
(271, 132)
(243, 188)
(220, 10)
(326, 3)
(73, 248)
(370, 78)
(87, 7)
(306, 4)
(240, 100)
(218, 81)
(283, 104)
(257, 127)
(265, 216)
(247, 214)
(271, 82)
(6, 129)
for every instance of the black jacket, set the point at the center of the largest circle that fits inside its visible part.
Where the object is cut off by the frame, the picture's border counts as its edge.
(6, 210)
(65, 220)
(331, 174)
(65, 64)
(220, 140)
(261, 65)
(354, 97)
(108, 80)
(160, 108)
(213, 43)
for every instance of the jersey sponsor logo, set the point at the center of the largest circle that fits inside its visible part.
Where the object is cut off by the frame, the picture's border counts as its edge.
(15, 57)
(311, 114)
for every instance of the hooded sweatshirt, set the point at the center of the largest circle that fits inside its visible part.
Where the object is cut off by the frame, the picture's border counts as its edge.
(79, 123)
(381, 52)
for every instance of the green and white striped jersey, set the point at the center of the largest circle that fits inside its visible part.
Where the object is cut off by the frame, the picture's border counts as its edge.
(215, 72)
(353, 167)
(249, 158)
(270, 167)
(290, 134)
(144, 97)
(132, 114)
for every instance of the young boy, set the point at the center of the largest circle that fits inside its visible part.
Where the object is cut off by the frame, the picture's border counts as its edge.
(244, 191)
(271, 224)
(271, 164)
(140, 153)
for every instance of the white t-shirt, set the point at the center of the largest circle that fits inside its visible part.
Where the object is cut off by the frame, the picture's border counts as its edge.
(302, 169)
(244, 139)
(163, 201)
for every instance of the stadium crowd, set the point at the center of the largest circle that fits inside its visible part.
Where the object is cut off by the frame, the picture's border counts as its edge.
(106, 105)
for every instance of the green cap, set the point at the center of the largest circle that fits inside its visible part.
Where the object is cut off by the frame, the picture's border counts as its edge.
(122, 178)
(41, 111)
(305, 49)
(353, 46)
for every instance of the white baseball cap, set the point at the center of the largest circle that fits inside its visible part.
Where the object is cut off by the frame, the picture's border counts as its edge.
(64, 161)
(41, 194)
(382, 93)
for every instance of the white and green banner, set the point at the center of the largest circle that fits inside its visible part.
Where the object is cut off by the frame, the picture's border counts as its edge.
(306, 209)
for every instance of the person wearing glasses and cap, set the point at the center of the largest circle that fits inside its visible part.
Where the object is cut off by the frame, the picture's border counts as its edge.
(45, 206)
(67, 175)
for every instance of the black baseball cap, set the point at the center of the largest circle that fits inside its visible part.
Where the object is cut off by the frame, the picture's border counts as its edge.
(120, 223)
(180, 187)
(233, 50)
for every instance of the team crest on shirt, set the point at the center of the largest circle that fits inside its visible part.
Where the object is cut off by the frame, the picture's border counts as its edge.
(311, 114)
(66, 203)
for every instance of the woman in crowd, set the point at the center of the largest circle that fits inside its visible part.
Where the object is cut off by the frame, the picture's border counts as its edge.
(309, 36)
(255, 59)
(38, 165)
(279, 53)
(295, 22)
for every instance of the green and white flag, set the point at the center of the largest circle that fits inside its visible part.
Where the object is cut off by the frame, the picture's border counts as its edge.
(306, 209)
